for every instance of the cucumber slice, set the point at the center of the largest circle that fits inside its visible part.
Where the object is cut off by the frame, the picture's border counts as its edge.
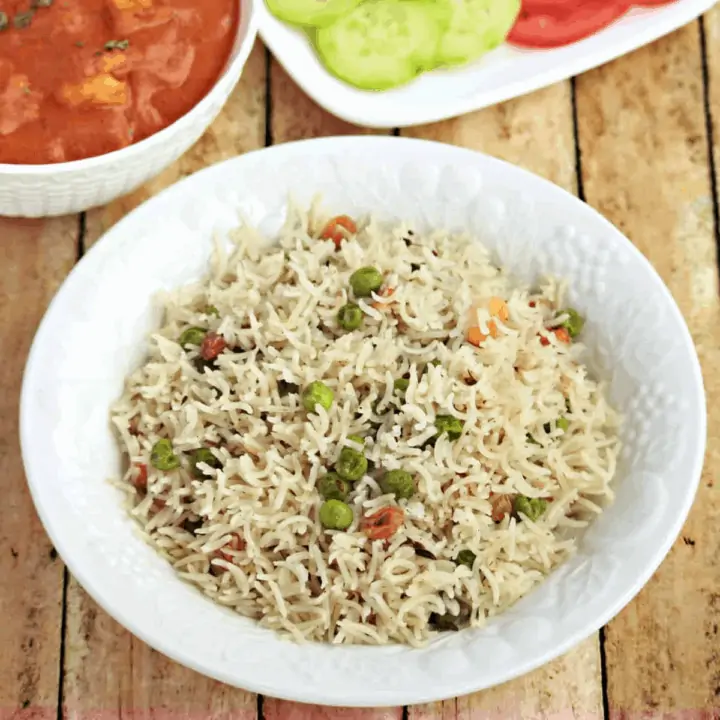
(315, 13)
(473, 27)
(382, 43)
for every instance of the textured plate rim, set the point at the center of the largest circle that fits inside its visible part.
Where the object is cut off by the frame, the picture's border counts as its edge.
(83, 271)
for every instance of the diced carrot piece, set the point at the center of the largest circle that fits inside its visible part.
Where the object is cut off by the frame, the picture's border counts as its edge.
(560, 333)
(475, 337)
(499, 309)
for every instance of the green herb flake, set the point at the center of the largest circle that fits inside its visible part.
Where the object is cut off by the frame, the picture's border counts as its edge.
(35, 4)
(4, 22)
(22, 20)
(117, 45)
(80, 44)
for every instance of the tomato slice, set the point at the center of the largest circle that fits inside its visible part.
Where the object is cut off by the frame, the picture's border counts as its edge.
(652, 3)
(551, 7)
(550, 30)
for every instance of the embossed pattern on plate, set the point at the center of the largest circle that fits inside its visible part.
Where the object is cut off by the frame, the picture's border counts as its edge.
(94, 333)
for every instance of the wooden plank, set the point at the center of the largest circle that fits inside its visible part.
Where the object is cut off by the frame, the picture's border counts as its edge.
(535, 132)
(294, 116)
(36, 256)
(711, 26)
(645, 166)
(109, 673)
(283, 710)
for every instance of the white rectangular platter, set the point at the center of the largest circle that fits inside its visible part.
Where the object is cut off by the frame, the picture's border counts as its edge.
(504, 73)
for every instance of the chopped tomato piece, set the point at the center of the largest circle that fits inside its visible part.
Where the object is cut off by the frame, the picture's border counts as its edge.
(338, 229)
(501, 506)
(384, 523)
(212, 345)
(140, 476)
(235, 543)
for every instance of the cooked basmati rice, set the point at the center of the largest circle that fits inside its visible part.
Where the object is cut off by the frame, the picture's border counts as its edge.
(249, 536)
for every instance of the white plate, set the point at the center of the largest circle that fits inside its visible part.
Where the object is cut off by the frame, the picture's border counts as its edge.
(502, 74)
(94, 333)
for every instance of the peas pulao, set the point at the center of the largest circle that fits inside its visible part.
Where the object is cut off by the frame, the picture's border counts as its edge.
(358, 433)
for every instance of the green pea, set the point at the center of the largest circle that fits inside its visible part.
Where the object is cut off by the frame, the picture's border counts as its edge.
(336, 515)
(466, 558)
(212, 310)
(398, 482)
(401, 385)
(192, 336)
(356, 439)
(350, 317)
(561, 423)
(162, 456)
(351, 464)
(532, 508)
(317, 393)
(333, 487)
(365, 281)
(574, 323)
(448, 424)
(203, 455)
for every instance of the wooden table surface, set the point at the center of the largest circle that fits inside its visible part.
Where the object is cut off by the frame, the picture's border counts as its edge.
(635, 140)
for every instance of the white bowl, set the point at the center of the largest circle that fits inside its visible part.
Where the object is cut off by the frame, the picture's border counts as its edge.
(95, 332)
(502, 74)
(62, 188)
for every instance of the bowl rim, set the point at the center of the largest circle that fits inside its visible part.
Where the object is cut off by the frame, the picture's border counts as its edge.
(374, 145)
(245, 36)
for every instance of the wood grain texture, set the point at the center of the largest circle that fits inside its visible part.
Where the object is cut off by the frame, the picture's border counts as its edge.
(535, 132)
(644, 156)
(35, 256)
(282, 710)
(711, 27)
(294, 116)
(108, 673)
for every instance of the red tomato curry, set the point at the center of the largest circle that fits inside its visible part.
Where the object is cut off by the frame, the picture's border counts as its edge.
(80, 78)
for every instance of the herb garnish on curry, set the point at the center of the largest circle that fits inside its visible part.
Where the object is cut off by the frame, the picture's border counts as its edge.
(80, 78)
